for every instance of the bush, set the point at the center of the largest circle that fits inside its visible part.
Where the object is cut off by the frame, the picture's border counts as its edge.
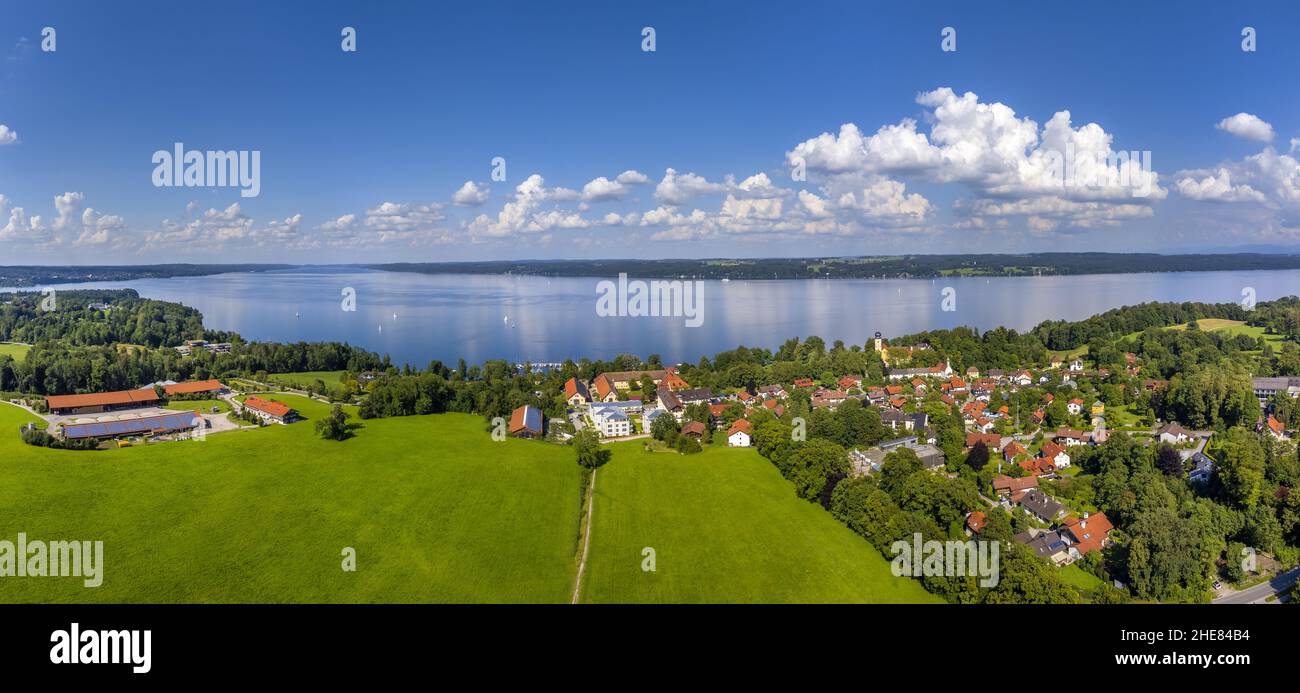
(41, 439)
(688, 445)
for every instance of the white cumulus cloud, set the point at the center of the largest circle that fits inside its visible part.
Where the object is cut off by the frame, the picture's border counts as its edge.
(1247, 126)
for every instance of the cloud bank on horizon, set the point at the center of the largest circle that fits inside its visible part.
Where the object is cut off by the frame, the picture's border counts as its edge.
(953, 171)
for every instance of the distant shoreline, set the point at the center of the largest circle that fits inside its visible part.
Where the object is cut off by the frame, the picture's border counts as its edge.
(753, 269)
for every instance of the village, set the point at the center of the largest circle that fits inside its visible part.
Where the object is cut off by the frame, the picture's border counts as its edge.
(1026, 451)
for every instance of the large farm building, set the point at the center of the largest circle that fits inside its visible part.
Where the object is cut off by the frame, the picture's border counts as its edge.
(179, 422)
(100, 402)
(271, 411)
(205, 387)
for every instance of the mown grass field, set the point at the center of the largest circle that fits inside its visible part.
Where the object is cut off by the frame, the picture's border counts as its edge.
(203, 405)
(1229, 328)
(725, 527)
(17, 351)
(1082, 581)
(305, 379)
(436, 511)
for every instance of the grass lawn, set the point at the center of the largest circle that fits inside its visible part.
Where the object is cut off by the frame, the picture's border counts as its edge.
(436, 511)
(14, 349)
(1080, 579)
(203, 405)
(1070, 354)
(302, 380)
(1123, 417)
(725, 527)
(1230, 328)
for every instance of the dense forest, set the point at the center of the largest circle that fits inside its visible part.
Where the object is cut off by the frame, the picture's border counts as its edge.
(113, 339)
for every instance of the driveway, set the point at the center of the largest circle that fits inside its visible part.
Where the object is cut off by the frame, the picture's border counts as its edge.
(1258, 593)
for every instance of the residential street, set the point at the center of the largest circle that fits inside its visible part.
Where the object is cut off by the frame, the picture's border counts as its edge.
(1258, 593)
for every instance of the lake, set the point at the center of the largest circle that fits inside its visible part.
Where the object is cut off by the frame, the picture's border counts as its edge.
(416, 318)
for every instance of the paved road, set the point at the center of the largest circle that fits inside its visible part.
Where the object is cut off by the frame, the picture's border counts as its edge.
(1257, 594)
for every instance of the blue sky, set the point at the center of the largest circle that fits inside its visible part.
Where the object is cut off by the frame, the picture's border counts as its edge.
(362, 154)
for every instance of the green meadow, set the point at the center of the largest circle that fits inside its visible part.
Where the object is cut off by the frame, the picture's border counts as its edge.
(203, 405)
(306, 379)
(436, 511)
(725, 527)
(17, 351)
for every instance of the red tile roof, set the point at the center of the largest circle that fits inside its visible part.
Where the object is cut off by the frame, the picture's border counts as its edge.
(1051, 450)
(1006, 483)
(102, 399)
(519, 420)
(279, 409)
(1089, 534)
(604, 386)
(741, 425)
(573, 387)
(194, 387)
(976, 521)
(675, 381)
(1037, 466)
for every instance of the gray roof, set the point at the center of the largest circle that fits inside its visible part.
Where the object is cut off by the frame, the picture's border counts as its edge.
(1279, 383)
(699, 394)
(931, 457)
(616, 415)
(893, 415)
(668, 399)
(625, 405)
(1044, 543)
(906, 441)
(1041, 504)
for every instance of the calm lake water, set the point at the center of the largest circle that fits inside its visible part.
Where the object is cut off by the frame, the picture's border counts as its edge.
(416, 318)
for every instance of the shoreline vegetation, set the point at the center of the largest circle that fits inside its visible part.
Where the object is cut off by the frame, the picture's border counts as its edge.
(26, 276)
(848, 267)
(867, 267)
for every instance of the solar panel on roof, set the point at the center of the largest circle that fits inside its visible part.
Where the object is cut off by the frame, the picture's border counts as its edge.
(165, 422)
(533, 419)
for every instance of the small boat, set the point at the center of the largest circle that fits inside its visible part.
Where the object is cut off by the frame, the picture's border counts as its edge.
(296, 314)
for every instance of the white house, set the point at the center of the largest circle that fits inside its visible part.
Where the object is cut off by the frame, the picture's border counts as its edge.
(1174, 434)
(611, 422)
(738, 434)
(1057, 454)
